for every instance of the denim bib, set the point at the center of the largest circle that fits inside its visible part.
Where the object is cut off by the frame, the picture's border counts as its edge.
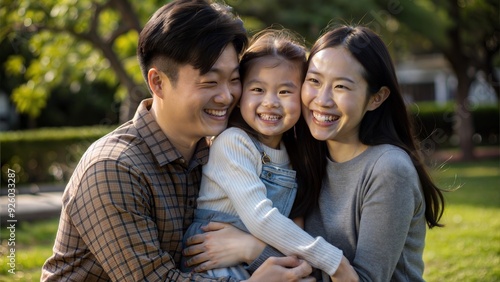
(280, 183)
(281, 188)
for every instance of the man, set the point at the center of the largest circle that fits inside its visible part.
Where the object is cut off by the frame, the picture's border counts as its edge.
(134, 191)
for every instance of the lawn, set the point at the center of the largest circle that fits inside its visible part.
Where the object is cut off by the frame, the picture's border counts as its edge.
(467, 249)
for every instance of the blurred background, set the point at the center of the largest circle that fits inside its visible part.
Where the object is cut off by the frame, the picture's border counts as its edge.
(69, 75)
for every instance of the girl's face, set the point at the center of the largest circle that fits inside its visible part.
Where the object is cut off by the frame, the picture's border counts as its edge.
(334, 96)
(270, 101)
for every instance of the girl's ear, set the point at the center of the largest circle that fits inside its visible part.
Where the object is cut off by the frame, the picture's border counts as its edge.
(155, 81)
(379, 97)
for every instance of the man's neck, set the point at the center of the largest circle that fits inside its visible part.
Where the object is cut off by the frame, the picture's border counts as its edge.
(184, 144)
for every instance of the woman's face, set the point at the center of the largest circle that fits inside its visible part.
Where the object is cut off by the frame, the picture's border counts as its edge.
(334, 95)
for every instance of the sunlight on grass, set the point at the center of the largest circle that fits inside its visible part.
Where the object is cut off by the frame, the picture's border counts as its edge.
(464, 250)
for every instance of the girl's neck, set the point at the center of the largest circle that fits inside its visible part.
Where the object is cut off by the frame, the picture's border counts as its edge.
(270, 141)
(343, 152)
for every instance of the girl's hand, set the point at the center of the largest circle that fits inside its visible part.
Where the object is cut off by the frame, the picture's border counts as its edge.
(221, 245)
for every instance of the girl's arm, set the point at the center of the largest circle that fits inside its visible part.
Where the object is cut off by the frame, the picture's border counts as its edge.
(235, 171)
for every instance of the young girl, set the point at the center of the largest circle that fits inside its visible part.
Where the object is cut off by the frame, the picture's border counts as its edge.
(250, 179)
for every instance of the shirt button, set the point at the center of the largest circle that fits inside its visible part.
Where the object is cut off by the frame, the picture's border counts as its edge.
(182, 160)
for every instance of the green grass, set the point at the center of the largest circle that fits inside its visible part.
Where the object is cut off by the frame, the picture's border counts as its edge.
(467, 249)
(34, 243)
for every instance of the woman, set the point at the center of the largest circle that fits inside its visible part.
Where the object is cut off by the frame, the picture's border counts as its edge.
(377, 197)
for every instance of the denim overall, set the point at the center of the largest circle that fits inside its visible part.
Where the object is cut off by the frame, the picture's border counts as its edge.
(281, 190)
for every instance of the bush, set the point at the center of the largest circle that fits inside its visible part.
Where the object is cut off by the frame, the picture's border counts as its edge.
(435, 123)
(46, 155)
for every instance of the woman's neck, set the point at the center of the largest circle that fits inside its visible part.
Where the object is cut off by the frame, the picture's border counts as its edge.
(343, 152)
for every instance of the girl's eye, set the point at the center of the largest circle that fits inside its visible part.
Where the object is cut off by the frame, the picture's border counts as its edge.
(313, 80)
(236, 79)
(256, 89)
(340, 86)
(284, 92)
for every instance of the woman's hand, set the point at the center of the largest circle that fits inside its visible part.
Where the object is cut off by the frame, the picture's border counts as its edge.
(345, 272)
(221, 245)
(283, 269)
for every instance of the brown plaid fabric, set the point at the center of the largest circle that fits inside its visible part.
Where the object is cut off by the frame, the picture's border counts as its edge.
(126, 207)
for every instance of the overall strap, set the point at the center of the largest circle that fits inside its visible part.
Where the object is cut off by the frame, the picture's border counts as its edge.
(264, 157)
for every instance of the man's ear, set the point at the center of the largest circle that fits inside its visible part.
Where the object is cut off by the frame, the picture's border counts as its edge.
(378, 98)
(155, 81)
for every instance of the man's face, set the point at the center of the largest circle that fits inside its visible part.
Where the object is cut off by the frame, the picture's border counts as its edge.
(199, 105)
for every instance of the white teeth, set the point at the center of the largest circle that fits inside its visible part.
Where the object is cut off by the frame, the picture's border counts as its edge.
(269, 117)
(218, 113)
(325, 118)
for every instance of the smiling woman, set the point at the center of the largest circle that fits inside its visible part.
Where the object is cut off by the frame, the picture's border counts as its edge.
(377, 196)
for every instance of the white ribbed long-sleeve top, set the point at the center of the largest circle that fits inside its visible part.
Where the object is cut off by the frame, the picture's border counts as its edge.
(231, 184)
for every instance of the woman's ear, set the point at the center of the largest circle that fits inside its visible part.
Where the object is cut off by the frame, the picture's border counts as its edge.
(155, 81)
(378, 98)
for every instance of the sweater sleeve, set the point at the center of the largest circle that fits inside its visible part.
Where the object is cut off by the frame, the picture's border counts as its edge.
(235, 171)
(391, 217)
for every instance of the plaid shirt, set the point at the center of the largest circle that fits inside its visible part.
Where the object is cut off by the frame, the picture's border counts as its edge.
(126, 207)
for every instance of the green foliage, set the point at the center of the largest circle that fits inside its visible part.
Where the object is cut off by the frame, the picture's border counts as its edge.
(30, 99)
(59, 50)
(435, 124)
(63, 50)
(58, 150)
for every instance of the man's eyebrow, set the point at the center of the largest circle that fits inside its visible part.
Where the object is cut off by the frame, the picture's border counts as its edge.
(219, 70)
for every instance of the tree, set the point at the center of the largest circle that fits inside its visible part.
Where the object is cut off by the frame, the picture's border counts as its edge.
(470, 42)
(70, 39)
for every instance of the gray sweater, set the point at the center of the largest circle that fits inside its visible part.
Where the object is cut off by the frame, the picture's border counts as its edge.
(372, 208)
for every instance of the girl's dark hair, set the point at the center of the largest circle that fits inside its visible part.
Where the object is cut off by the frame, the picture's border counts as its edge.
(191, 32)
(284, 44)
(390, 122)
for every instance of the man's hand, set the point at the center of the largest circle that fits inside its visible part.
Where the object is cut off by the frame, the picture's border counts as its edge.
(221, 245)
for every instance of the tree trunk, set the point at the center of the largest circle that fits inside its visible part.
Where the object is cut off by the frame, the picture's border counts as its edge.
(463, 125)
(460, 62)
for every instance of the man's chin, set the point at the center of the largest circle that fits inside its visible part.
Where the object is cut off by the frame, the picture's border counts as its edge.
(216, 130)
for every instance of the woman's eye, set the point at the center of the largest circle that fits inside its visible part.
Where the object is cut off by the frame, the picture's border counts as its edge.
(284, 92)
(313, 80)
